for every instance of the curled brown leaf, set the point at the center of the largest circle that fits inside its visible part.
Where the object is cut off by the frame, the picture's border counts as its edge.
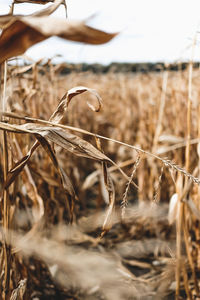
(66, 99)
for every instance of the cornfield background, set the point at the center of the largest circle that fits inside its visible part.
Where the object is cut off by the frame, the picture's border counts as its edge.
(98, 202)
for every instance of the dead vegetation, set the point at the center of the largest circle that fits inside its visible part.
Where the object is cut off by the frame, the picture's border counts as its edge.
(99, 202)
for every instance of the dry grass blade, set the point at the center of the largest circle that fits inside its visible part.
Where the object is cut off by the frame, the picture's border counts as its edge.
(174, 206)
(66, 182)
(66, 99)
(111, 194)
(23, 32)
(65, 179)
(109, 187)
(31, 188)
(18, 293)
(19, 166)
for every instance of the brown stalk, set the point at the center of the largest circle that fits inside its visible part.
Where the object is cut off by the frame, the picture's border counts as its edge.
(187, 166)
(179, 225)
(188, 249)
(6, 204)
(161, 110)
(189, 101)
(186, 283)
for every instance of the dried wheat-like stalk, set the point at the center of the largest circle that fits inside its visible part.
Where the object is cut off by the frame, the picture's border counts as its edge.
(158, 185)
(124, 203)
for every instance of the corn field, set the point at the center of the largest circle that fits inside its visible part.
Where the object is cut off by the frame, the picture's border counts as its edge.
(99, 173)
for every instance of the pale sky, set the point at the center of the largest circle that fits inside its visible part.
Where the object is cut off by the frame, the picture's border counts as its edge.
(151, 30)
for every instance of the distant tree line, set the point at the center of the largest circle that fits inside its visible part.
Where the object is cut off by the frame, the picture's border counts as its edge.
(66, 68)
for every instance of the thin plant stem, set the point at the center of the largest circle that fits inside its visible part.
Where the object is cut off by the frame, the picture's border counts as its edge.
(161, 110)
(6, 205)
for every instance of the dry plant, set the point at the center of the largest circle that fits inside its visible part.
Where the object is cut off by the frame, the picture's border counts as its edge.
(134, 251)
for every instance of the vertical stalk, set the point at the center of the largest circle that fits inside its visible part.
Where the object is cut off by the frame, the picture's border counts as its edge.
(186, 282)
(161, 110)
(178, 248)
(189, 100)
(6, 204)
(187, 167)
(188, 250)
(158, 130)
(197, 229)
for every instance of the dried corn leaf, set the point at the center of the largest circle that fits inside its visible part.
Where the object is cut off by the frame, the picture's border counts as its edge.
(6, 19)
(193, 208)
(64, 178)
(103, 189)
(66, 99)
(19, 166)
(68, 141)
(173, 209)
(81, 89)
(66, 182)
(111, 195)
(31, 188)
(23, 32)
(108, 192)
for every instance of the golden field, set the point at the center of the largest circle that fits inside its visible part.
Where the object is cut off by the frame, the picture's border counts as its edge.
(117, 237)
